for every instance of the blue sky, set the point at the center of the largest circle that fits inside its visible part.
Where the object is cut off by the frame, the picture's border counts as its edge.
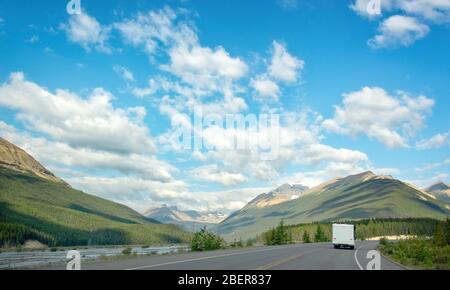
(98, 96)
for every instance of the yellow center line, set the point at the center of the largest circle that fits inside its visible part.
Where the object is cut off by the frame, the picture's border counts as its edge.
(284, 261)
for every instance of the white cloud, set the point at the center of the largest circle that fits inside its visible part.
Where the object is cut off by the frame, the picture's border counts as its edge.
(200, 71)
(142, 194)
(361, 7)
(296, 141)
(86, 31)
(194, 64)
(386, 171)
(399, 30)
(284, 66)
(265, 88)
(316, 153)
(212, 173)
(410, 20)
(434, 10)
(125, 73)
(93, 122)
(205, 67)
(437, 141)
(372, 111)
(430, 166)
(329, 171)
(150, 29)
(59, 154)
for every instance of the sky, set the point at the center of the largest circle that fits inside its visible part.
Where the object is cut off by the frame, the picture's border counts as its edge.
(129, 100)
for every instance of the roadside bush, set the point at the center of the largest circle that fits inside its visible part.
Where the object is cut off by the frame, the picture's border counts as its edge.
(127, 251)
(205, 240)
(280, 235)
(383, 241)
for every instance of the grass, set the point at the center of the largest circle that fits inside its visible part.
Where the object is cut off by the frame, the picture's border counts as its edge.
(418, 253)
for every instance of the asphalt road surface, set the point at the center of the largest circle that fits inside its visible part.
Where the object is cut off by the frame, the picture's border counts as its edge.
(317, 256)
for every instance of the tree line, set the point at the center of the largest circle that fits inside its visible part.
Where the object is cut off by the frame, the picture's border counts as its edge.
(365, 229)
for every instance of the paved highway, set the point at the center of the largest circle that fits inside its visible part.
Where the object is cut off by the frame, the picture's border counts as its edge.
(318, 256)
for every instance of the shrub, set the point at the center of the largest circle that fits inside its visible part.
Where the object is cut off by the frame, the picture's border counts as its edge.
(205, 240)
(278, 236)
(127, 251)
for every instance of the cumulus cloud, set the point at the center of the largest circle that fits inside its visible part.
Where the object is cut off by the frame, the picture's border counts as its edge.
(399, 30)
(315, 153)
(263, 153)
(148, 30)
(64, 116)
(265, 88)
(409, 22)
(62, 155)
(361, 7)
(434, 10)
(284, 66)
(437, 141)
(140, 193)
(212, 173)
(373, 112)
(86, 31)
(324, 173)
(193, 63)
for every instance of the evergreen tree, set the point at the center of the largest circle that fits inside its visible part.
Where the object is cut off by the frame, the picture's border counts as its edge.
(320, 235)
(204, 240)
(447, 231)
(439, 235)
(306, 238)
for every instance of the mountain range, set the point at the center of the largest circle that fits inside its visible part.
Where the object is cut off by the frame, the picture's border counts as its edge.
(440, 190)
(35, 204)
(359, 196)
(189, 219)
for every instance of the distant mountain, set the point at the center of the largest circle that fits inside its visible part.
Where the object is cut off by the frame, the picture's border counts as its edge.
(359, 196)
(281, 194)
(190, 219)
(35, 204)
(440, 190)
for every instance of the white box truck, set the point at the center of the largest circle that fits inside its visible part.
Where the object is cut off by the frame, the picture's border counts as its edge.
(343, 236)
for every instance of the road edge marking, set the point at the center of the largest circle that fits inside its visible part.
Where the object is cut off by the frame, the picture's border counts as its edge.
(356, 256)
(201, 258)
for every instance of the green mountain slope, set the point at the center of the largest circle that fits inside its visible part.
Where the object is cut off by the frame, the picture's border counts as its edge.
(354, 197)
(35, 204)
(66, 216)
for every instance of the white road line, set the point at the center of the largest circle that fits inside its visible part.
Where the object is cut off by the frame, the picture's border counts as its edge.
(203, 258)
(356, 256)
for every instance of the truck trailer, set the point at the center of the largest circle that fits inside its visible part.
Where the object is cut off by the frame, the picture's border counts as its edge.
(344, 236)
